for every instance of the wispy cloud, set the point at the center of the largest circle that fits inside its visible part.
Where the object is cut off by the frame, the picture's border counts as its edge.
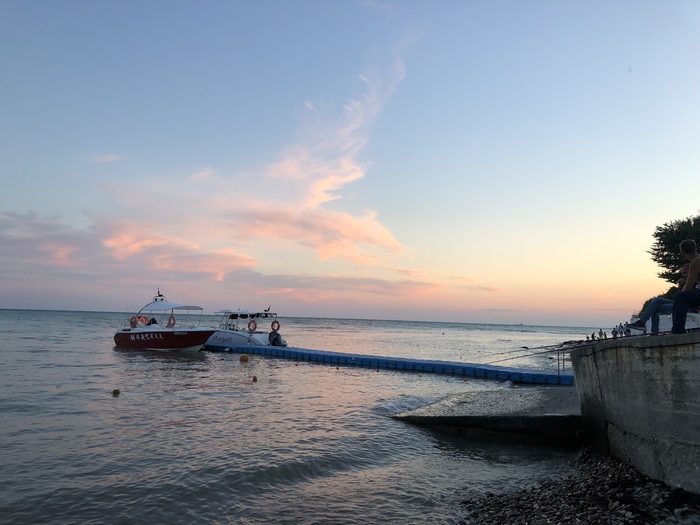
(105, 158)
(289, 200)
(458, 281)
(205, 174)
(326, 157)
(212, 226)
(361, 239)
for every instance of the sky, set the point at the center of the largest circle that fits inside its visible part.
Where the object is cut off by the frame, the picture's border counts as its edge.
(436, 160)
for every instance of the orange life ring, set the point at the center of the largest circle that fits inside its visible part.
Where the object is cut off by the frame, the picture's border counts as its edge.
(171, 321)
(133, 322)
(252, 325)
(275, 325)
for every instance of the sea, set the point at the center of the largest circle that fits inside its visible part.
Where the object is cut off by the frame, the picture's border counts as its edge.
(193, 438)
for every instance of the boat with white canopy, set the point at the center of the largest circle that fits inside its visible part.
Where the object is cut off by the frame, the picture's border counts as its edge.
(240, 328)
(162, 325)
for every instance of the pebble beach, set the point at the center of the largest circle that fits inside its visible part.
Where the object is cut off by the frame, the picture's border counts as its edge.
(595, 490)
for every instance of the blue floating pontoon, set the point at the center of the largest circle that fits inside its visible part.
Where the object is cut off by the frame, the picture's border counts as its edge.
(516, 375)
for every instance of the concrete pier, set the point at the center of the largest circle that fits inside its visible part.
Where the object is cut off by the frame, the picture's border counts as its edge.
(531, 415)
(640, 401)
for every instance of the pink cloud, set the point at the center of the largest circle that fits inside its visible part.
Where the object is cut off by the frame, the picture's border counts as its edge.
(211, 263)
(314, 174)
(199, 233)
(451, 280)
(126, 244)
(344, 172)
(171, 254)
(27, 239)
(289, 201)
(60, 255)
(332, 234)
(82, 269)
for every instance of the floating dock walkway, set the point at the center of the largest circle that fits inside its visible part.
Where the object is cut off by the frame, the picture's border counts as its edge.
(516, 375)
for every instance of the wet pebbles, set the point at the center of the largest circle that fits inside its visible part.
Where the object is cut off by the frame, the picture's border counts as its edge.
(596, 490)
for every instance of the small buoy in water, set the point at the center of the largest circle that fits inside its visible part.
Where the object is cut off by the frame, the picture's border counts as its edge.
(465, 379)
(244, 358)
(255, 379)
(116, 392)
(296, 364)
(337, 368)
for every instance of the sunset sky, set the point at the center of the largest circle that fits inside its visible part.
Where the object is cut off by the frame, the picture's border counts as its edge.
(499, 162)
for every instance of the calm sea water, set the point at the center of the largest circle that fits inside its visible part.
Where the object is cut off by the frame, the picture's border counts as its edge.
(192, 439)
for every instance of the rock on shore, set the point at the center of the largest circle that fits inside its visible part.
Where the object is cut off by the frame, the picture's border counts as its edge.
(596, 490)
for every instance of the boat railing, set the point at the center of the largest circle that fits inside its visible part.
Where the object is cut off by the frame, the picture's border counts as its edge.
(160, 319)
(240, 320)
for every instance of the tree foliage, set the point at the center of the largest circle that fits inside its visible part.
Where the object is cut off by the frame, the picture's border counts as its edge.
(667, 238)
(666, 252)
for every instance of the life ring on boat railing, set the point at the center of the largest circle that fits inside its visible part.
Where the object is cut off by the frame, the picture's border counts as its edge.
(133, 322)
(171, 322)
(275, 325)
(144, 319)
(252, 325)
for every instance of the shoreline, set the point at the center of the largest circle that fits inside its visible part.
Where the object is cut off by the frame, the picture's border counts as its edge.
(595, 490)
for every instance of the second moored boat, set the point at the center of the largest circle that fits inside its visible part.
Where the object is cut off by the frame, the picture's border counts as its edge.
(240, 328)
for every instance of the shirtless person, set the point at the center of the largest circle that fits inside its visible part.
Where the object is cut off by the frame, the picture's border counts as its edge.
(689, 296)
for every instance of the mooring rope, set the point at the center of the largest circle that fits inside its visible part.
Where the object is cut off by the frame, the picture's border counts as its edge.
(549, 348)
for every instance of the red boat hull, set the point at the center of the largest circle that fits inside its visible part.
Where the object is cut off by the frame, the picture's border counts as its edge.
(163, 339)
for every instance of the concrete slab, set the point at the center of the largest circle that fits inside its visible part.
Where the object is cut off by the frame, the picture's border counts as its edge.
(534, 415)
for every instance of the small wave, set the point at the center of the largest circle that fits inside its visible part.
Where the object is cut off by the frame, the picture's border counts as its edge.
(404, 403)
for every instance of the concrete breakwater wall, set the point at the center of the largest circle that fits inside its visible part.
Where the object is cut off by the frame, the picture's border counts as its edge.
(640, 402)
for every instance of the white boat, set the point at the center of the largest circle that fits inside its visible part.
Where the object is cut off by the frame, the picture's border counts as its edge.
(240, 328)
(162, 325)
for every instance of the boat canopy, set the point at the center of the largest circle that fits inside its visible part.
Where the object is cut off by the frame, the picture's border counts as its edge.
(164, 306)
(244, 314)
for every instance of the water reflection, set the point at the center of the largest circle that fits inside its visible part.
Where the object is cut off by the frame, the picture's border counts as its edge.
(172, 356)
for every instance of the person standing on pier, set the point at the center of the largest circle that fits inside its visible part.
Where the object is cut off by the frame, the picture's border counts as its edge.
(689, 296)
